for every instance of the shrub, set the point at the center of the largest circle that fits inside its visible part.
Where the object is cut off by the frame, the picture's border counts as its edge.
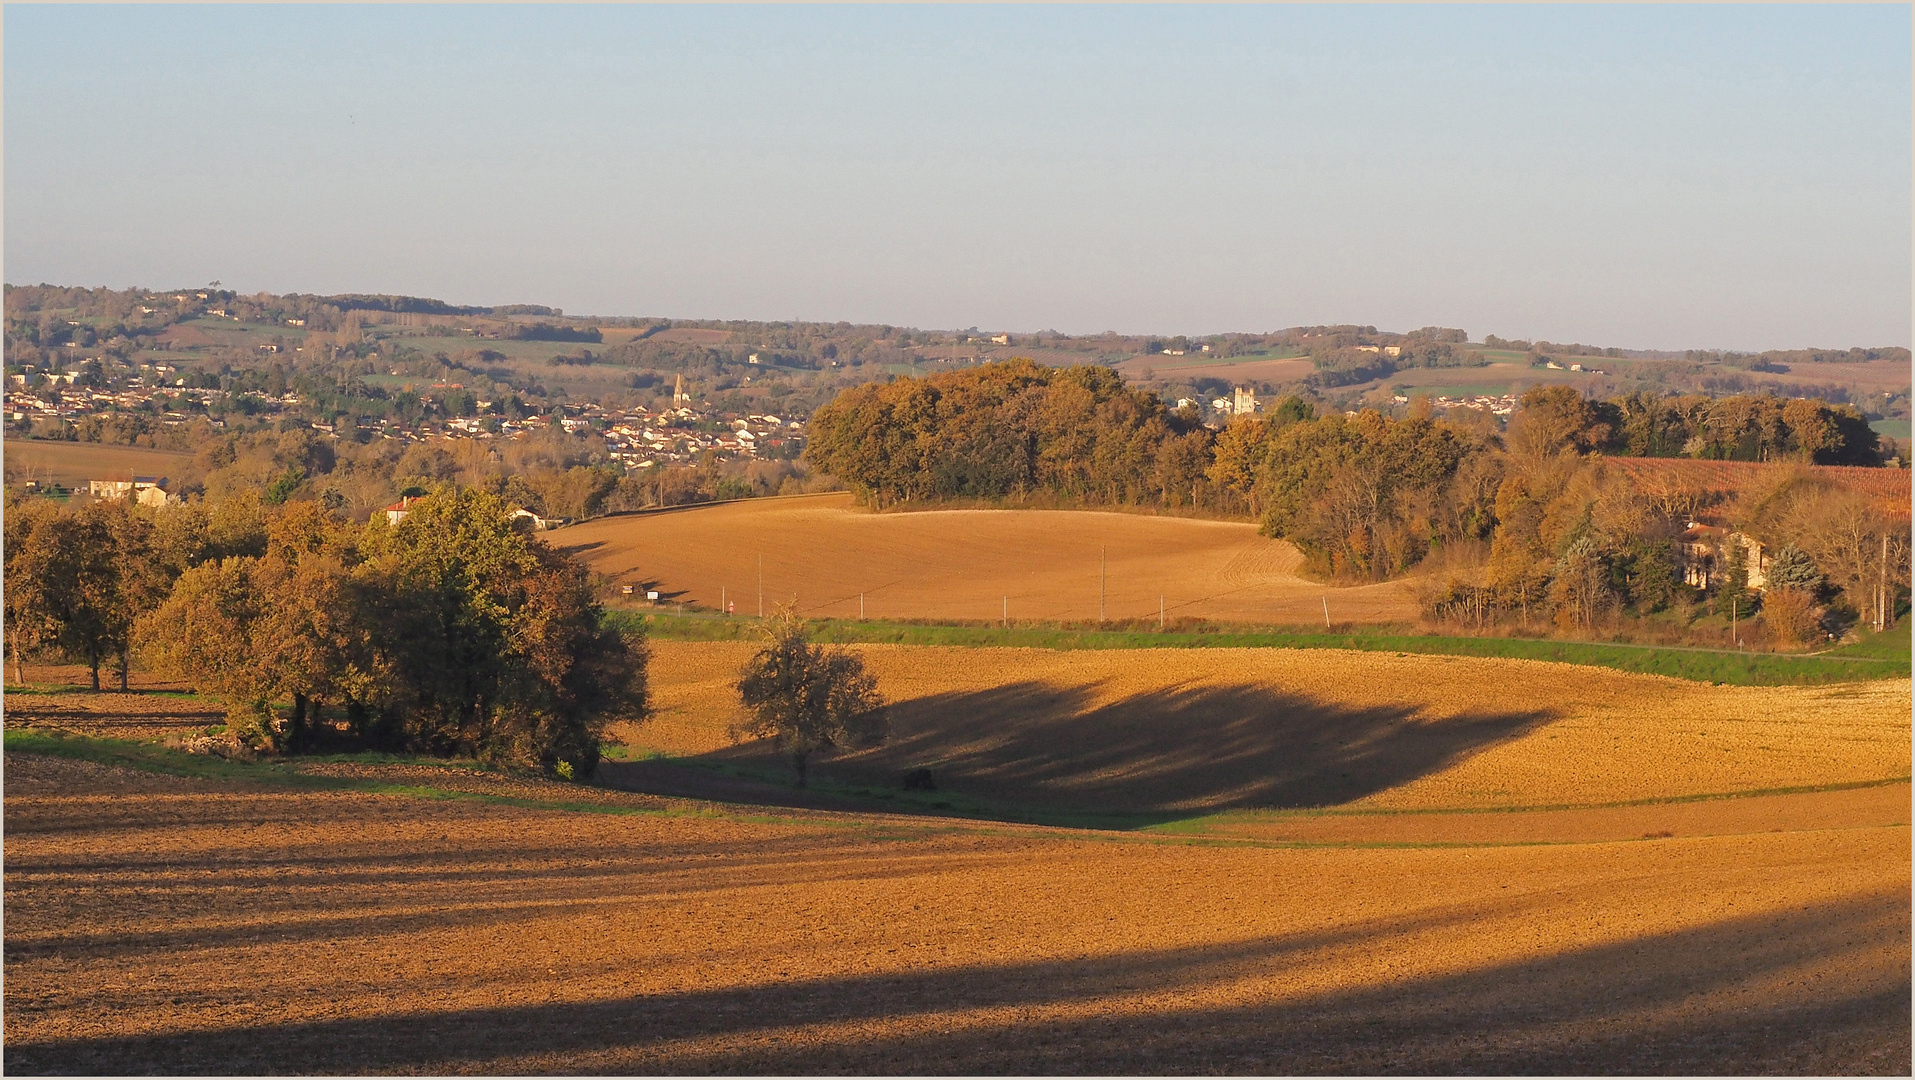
(1790, 616)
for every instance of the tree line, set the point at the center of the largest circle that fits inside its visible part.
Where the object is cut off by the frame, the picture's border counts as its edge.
(452, 632)
(1528, 522)
(1007, 430)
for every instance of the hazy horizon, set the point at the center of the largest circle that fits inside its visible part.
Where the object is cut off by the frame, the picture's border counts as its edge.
(1643, 178)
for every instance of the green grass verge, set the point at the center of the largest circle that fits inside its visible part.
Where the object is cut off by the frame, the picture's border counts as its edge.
(1870, 660)
(1887, 645)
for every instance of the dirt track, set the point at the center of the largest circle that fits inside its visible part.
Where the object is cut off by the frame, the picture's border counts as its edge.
(160, 925)
(965, 564)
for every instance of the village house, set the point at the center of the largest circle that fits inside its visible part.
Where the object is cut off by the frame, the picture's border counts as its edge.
(1703, 549)
(397, 512)
(146, 490)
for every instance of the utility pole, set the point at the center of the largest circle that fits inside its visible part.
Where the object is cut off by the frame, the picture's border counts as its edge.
(1160, 613)
(1326, 612)
(761, 586)
(721, 600)
(1103, 572)
(860, 607)
(1007, 613)
(1881, 607)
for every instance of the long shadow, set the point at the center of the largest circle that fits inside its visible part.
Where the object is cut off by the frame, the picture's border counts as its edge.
(1822, 989)
(1151, 757)
(271, 895)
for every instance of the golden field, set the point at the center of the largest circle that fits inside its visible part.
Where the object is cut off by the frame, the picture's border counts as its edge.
(71, 463)
(1473, 899)
(823, 552)
(1199, 730)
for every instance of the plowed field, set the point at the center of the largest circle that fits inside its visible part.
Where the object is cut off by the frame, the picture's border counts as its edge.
(823, 552)
(158, 925)
(1511, 870)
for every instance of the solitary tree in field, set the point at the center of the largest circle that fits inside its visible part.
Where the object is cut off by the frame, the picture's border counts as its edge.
(809, 697)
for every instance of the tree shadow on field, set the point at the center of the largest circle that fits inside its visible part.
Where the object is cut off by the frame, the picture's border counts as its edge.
(1821, 990)
(1156, 756)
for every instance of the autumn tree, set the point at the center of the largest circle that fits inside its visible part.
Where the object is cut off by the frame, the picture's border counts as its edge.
(807, 697)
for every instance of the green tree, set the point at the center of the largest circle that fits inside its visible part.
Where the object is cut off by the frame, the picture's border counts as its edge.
(496, 642)
(1792, 568)
(808, 697)
(1732, 593)
(205, 635)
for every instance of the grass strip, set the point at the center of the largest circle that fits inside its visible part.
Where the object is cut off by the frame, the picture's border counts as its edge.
(1718, 666)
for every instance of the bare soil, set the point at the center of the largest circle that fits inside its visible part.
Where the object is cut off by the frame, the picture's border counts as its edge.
(58, 697)
(178, 926)
(468, 920)
(823, 552)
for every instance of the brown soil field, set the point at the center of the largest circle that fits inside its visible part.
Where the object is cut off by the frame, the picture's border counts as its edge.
(1177, 732)
(1879, 375)
(165, 925)
(75, 462)
(963, 564)
(1516, 875)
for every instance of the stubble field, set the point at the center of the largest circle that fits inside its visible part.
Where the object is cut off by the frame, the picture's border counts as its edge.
(824, 552)
(1466, 895)
(71, 463)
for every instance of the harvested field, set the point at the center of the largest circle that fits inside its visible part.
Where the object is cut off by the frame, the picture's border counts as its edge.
(70, 463)
(964, 564)
(1174, 732)
(162, 925)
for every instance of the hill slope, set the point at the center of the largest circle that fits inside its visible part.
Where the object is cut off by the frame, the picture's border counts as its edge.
(966, 564)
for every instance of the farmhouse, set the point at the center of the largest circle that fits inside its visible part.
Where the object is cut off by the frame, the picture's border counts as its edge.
(397, 512)
(146, 490)
(1704, 552)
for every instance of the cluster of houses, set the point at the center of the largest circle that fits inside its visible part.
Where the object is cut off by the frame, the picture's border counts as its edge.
(61, 399)
(640, 439)
(1501, 405)
(1241, 402)
(637, 438)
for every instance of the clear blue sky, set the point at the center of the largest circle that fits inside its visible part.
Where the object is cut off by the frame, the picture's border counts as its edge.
(1710, 176)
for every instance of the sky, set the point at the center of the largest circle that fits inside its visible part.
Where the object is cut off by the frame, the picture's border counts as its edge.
(1713, 176)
